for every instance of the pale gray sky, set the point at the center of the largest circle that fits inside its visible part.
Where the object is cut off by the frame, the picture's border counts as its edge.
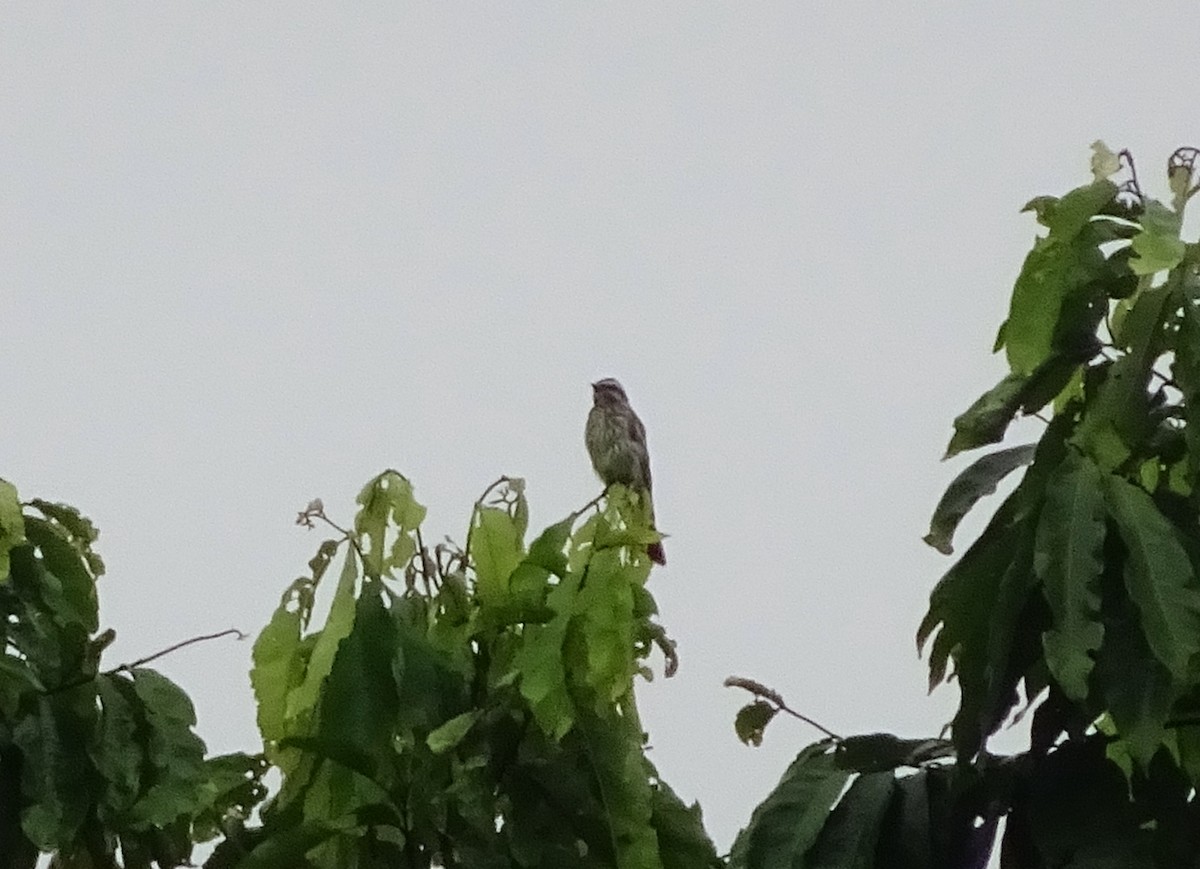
(250, 254)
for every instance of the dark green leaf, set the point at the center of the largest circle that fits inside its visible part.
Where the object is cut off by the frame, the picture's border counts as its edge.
(977, 480)
(877, 752)
(54, 775)
(1158, 576)
(75, 600)
(117, 749)
(1070, 535)
(682, 841)
(752, 720)
(785, 825)
(174, 752)
(614, 745)
(985, 421)
(848, 839)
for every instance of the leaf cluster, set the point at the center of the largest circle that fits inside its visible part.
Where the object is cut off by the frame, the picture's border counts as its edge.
(101, 769)
(469, 708)
(1079, 602)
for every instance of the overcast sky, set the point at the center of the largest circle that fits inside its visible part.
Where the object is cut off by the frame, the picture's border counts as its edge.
(251, 254)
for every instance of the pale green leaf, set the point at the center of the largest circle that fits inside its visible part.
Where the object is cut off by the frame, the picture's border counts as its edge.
(1105, 163)
(337, 627)
(12, 524)
(449, 735)
(496, 550)
(278, 667)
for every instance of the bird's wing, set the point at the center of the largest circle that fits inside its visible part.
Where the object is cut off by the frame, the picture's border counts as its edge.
(637, 437)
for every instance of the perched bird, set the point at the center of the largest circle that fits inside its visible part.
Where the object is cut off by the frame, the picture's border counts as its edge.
(616, 441)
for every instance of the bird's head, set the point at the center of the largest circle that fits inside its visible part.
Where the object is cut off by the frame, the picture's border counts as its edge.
(608, 392)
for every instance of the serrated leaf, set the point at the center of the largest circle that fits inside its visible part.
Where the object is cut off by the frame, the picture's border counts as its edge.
(785, 825)
(976, 481)
(1067, 559)
(752, 720)
(1158, 576)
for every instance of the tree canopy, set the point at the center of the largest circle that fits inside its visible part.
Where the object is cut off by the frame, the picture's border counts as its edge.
(474, 706)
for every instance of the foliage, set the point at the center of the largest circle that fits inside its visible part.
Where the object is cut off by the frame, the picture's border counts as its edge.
(468, 708)
(1080, 595)
(95, 766)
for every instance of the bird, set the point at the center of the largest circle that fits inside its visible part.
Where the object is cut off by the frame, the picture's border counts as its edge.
(616, 443)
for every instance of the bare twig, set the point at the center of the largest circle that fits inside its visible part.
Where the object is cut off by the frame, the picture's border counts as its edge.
(125, 668)
(775, 698)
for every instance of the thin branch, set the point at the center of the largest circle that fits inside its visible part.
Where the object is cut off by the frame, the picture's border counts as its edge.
(125, 668)
(762, 692)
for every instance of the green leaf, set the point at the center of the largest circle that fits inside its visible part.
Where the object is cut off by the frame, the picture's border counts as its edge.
(848, 839)
(77, 528)
(1059, 265)
(289, 846)
(547, 550)
(450, 734)
(338, 625)
(614, 746)
(879, 752)
(54, 771)
(278, 667)
(1157, 246)
(977, 480)
(605, 616)
(12, 523)
(682, 841)
(496, 551)
(539, 661)
(1105, 163)
(1158, 576)
(77, 603)
(785, 825)
(387, 498)
(117, 750)
(360, 702)
(752, 720)
(173, 750)
(1067, 559)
